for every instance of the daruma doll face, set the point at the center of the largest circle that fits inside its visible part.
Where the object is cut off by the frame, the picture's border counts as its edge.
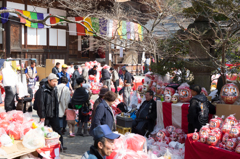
(184, 94)
(229, 93)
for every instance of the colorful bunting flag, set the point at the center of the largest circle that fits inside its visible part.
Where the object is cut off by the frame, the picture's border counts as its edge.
(95, 24)
(115, 26)
(22, 20)
(34, 16)
(110, 28)
(132, 31)
(4, 16)
(40, 17)
(140, 32)
(72, 26)
(47, 21)
(136, 31)
(119, 29)
(80, 28)
(103, 26)
(124, 29)
(88, 24)
(27, 14)
(128, 30)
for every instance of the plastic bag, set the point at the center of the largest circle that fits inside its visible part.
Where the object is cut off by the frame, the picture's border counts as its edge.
(6, 140)
(3, 115)
(133, 99)
(135, 142)
(29, 156)
(34, 139)
(4, 125)
(15, 131)
(167, 155)
(205, 130)
(2, 131)
(231, 120)
(15, 115)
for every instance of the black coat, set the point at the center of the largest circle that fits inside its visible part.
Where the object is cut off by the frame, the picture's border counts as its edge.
(105, 74)
(151, 113)
(55, 70)
(92, 72)
(198, 112)
(46, 100)
(80, 96)
(103, 115)
(75, 76)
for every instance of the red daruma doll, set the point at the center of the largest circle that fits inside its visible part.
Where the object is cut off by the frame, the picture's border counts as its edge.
(231, 120)
(229, 93)
(234, 132)
(231, 144)
(184, 92)
(212, 139)
(225, 138)
(195, 136)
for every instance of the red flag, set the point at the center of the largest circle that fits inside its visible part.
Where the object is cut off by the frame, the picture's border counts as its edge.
(22, 20)
(80, 29)
(52, 20)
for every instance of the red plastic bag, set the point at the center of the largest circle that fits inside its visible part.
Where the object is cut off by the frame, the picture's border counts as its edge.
(205, 130)
(231, 120)
(3, 115)
(15, 131)
(4, 125)
(15, 115)
(135, 142)
(195, 136)
(2, 131)
(226, 128)
(225, 138)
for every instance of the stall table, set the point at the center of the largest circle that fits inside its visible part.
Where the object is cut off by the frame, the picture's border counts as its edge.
(173, 114)
(16, 150)
(198, 150)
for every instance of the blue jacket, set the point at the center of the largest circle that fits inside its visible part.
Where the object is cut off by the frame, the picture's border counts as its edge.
(92, 154)
(103, 115)
(60, 74)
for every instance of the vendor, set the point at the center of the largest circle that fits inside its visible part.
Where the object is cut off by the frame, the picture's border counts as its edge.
(199, 109)
(146, 115)
(84, 72)
(55, 69)
(128, 78)
(106, 75)
(31, 73)
(93, 71)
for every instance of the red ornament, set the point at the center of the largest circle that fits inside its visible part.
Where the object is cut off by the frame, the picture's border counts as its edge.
(218, 132)
(184, 93)
(163, 133)
(179, 131)
(169, 90)
(173, 136)
(234, 132)
(203, 138)
(229, 93)
(181, 139)
(214, 123)
(212, 139)
(231, 144)
(195, 136)
(226, 128)
(225, 138)
(171, 129)
(231, 120)
(204, 130)
(221, 145)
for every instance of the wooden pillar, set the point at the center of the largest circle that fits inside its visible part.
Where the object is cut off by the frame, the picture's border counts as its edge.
(47, 40)
(25, 35)
(4, 26)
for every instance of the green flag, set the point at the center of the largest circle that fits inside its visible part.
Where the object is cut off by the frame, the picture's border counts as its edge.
(124, 29)
(34, 16)
(95, 24)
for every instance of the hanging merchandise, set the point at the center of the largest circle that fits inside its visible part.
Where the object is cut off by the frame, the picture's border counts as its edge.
(88, 24)
(103, 26)
(95, 24)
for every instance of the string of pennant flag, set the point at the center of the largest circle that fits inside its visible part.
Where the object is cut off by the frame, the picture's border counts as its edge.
(107, 27)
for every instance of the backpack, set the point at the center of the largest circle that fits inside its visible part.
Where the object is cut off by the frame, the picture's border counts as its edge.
(123, 107)
(36, 100)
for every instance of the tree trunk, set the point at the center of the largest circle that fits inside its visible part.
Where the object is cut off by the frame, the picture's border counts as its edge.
(223, 65)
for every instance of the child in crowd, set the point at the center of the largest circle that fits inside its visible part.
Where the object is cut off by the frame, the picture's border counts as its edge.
(70, 117)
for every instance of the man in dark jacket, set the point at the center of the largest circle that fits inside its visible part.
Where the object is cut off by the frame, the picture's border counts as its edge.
(55, 69)
(106, 78)
(146, 115)
(199, 109)
(103, 143)
(48, 106)
(93, 71)
(75, 76)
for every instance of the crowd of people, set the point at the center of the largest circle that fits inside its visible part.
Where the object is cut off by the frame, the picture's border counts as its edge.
(56, 108)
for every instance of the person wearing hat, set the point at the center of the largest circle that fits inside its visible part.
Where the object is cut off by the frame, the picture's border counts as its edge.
(98, 101)
(64, 73)
(103, 143)
(48, 106)
(115, 78)
(93, 71)
(31, 73)
(198, 110)
(71, 69)
(127, 85)
(84, 72)
(75, 76)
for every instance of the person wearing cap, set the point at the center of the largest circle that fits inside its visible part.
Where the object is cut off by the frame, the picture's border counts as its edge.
(75, 76)
(106, 75)
(199, 109)
(104, 114)
(115, 78)
(98, 101)
(64, 73)
(103, 143)
(127, 85)
(93, 71)
(48, 106)
(71, 69)
(84, 72)
(55, 69)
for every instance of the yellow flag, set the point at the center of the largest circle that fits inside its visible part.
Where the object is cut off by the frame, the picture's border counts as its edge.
(119, 27)
(140, 32)
(27, 14)
(88, 19)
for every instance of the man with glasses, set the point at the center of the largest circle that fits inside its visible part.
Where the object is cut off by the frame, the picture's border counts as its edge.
(64, 73)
